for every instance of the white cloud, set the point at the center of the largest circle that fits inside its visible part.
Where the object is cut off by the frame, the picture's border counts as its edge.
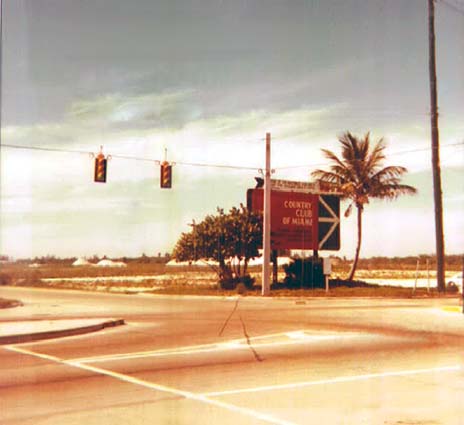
(144, 111)
(56, 190)
(395, 231)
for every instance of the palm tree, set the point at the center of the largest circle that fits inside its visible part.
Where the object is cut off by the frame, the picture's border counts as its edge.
(359, 176)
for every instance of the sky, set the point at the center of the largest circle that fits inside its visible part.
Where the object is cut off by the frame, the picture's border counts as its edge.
(202, 82)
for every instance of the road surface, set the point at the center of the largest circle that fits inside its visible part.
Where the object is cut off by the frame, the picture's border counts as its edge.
(191, 360)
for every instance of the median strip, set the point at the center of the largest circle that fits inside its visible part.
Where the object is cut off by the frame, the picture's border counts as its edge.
(34, 330)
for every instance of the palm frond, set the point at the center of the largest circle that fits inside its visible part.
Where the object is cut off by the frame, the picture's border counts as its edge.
(376, 156)
(392, 191)
(326, 176)
(332, 157)
(348, 143)
(358, 174)
(390, 172)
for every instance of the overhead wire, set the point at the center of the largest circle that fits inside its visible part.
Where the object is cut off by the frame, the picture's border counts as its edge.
(456, 6)
(41, 148)
(135, 158)
(390, 154)
(205, 165)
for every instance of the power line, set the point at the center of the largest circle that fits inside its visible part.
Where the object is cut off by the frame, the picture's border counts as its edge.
(199, 164)
(134, 158)
(38, 148)
(193, 164)
(455, 5)
(390, 154)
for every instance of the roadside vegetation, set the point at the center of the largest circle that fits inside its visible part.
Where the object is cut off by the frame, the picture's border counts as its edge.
(157, 277)
(219, 238)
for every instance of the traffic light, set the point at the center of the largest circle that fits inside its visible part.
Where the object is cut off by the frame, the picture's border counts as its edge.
(166, 175)
(100, 168)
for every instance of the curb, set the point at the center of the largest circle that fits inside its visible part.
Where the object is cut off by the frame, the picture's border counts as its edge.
(59, 333)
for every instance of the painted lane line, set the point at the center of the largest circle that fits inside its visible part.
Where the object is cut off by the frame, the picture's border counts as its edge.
(302, 335)
(188, 349)
(186, 394)
(337, 380)
(201, 348)
(290, 338)
(33, 353)
(157, 387)
(220, 347)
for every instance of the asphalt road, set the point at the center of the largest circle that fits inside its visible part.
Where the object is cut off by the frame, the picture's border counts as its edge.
(189, 360)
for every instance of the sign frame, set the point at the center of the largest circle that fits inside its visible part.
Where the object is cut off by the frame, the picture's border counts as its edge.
(294, 218)
(327, 227)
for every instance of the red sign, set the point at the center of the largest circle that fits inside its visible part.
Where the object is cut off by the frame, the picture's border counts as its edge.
(294, 218)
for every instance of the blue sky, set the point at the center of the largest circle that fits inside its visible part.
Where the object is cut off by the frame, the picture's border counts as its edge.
(206, 79)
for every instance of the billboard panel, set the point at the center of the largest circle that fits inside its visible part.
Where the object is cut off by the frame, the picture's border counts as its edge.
(294, 218)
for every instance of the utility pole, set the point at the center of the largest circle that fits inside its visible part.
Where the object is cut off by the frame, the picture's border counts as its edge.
(1, 67)
(265, 287)
(437, 190)
(462, 284)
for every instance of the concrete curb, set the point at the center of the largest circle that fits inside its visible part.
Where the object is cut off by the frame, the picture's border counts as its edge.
(59, 333)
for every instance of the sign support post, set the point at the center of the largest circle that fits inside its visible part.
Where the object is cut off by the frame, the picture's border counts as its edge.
(265, 287)
(326, 270)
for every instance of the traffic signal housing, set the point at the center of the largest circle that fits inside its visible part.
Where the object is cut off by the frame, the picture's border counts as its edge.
(166, 175)
(100, 168)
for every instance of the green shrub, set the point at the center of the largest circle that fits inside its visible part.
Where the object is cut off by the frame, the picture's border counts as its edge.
(241, 289)
(231, 283)
(33, 279)
(304, 273)
(452, 288)
(5, 279)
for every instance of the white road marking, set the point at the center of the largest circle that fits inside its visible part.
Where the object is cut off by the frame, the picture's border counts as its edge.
(288, 338)
(302, 335)
(336, 380)
(132, 380)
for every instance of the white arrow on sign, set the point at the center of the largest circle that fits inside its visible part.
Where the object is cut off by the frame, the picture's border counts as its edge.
(334, 219)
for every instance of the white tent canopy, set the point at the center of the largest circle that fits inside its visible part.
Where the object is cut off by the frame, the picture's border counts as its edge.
(81, 262)
(110, 263)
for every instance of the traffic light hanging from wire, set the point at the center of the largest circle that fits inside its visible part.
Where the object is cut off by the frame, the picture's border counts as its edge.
(100, 168)
(166, 175)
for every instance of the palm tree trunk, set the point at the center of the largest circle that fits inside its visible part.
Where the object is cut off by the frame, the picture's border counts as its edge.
(358, 245)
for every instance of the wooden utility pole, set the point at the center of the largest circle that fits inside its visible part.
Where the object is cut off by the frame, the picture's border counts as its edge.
(1, 66)
(462, 284)
(437, 190)
(265, 288)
